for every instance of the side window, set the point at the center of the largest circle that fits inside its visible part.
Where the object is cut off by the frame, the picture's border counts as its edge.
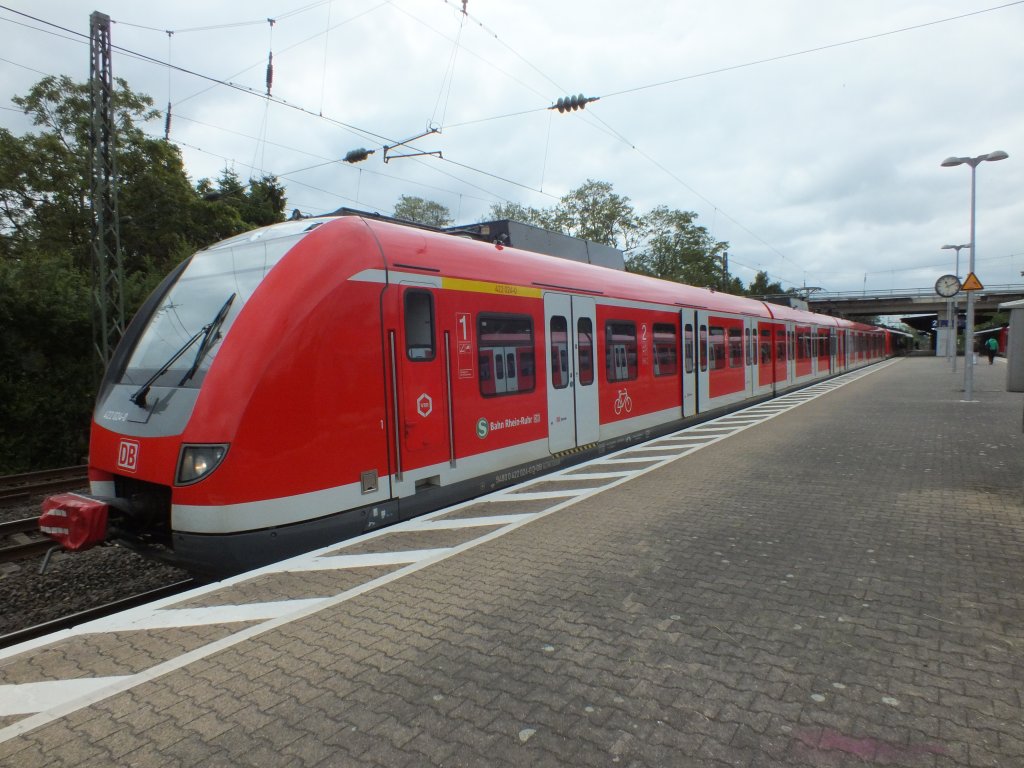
(766, 346)
(751, 339)
(717, 344)
(702, 343)
(620, 351)
(735, 348)
(558, 340)
(585, 342)
(688, 348)
(505, 352)
(419, 325)
(665, 345)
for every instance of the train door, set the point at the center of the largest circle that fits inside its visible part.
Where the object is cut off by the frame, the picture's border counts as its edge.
(418, 355)
(570, 323)
(703, 361)
(688, 324)
(828, 350)
(765, 358)
(780, 374)
(750, 355)
(791, 354)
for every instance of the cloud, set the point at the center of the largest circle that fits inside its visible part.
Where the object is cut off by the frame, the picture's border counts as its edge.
(822, 166)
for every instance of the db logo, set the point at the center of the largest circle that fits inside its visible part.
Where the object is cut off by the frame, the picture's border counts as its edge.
(424, 405)
(128, 455)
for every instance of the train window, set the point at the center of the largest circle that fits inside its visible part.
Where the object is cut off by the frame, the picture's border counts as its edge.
(751, 357)
(766, 346)
(702, 344)
(558, 339)
(688, 348)
(526, 372)
(419, 325)
(585, 344)
(735, 348)
(665, 345)
(791, 338)
(716, 351)
(505, 354)
(620, 351)
(780, 347)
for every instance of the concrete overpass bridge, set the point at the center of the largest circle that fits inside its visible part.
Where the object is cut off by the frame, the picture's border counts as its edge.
(910, 301)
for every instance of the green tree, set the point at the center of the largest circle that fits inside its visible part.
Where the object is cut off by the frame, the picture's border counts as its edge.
(674, 247)
(663, 243)
(594, 212)
(761, 286)
(422, 211)
(537, 217)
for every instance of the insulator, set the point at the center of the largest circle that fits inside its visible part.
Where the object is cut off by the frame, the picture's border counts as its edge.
(167, 122)
(358, 155)
(572, 103)
(270, 72)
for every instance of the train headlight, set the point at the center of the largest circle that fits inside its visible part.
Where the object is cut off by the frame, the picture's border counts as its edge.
(197, 461)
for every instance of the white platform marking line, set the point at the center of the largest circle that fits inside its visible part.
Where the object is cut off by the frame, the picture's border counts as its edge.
(119, 685)
(550, 495)
(597, 475)
(630, 460)
(452, 524)
(170, 618)
(29, 698)
(337, 559)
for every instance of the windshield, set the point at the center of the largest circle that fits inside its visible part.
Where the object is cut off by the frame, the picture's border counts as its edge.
(233, 267)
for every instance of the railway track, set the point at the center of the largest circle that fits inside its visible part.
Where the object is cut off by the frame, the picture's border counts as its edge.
(22, 539)
(91, 614)
(16, 489)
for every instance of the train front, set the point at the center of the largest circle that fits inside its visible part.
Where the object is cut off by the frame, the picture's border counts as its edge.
(139, 454)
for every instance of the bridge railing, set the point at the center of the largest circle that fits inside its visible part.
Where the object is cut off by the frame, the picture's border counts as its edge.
(907, 293)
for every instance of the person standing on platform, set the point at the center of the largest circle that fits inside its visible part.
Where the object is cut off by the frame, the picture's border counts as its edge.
(991, 347)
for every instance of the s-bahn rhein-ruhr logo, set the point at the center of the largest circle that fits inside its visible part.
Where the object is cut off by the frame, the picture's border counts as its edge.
(482, 428)
(128, 455)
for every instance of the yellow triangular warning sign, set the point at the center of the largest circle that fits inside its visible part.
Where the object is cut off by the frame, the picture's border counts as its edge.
(972, 283)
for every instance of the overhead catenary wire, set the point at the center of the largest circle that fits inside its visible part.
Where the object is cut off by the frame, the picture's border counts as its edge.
(362, 133)
(689, 77)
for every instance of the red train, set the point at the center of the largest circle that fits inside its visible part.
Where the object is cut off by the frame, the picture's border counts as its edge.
(319, 378)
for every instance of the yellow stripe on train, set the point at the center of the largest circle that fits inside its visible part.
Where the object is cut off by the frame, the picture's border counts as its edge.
(482, 286)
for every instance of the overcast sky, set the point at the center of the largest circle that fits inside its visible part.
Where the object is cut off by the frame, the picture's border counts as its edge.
(806, 133)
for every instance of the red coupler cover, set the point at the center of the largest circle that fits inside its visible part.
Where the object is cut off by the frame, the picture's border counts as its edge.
(75, 522)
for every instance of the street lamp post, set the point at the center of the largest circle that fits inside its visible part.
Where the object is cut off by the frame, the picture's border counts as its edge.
(951, 308)
(974, 162)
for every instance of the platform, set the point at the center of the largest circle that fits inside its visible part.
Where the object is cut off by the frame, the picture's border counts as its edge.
(834, 578)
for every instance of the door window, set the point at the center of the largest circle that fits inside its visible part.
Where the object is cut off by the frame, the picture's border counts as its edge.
(419, 325)
(585, 344)
(558, 338)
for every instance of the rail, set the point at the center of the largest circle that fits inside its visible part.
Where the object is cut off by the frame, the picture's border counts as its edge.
(27, 538)
(22, 487)
(30, 633)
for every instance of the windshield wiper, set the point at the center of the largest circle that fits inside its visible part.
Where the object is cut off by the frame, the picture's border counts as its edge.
(205, 333)
(210, 335)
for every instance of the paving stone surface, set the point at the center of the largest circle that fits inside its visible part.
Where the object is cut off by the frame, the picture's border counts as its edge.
(840, 586)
